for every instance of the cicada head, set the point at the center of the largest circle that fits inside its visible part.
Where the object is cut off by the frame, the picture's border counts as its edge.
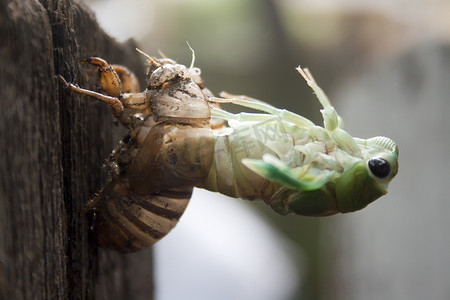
(163, 70)
(166, 73)
(160, 71)
(369, 177)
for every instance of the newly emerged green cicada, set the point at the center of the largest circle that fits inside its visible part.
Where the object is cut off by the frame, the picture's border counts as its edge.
(177, 141)
(296, 166)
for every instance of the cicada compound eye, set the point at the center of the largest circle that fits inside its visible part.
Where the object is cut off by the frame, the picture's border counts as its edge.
(379, 167)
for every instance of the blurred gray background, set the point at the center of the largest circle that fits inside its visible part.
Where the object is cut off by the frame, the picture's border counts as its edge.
(385, 66)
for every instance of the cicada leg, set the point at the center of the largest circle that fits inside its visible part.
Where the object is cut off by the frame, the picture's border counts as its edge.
(330, 116)
(114, 79)
(121, 87)
(262, 106)
(114, 102)
(109, 80)
(227, 95)
(93, 203)
(241, 117)
(331, 119)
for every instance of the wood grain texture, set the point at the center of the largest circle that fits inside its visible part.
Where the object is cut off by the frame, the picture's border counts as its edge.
(53, 144)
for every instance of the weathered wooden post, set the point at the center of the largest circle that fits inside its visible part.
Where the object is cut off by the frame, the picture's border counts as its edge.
(53, 144)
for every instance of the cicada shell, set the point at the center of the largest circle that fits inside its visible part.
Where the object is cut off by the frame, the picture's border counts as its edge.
(154, 168)
(177, 140)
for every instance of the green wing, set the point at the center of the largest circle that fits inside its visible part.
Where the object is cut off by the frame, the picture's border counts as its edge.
(304, 178)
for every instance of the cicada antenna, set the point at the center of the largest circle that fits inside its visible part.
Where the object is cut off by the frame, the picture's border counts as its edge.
(150, 59)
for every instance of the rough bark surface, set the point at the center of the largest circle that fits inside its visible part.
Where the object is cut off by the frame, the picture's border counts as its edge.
(53, 144)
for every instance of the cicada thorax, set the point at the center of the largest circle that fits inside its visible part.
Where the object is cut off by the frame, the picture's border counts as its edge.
(154, 170)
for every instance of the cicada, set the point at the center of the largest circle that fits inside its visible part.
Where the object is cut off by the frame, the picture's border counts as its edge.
(177, 140)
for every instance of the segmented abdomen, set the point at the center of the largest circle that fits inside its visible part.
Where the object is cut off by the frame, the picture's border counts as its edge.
(129, 222)
(229, 176)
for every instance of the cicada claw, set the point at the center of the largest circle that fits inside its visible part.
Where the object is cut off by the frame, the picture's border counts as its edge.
(114, 79)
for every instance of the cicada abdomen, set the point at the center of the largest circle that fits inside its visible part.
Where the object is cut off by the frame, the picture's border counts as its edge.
(228, 175)
(126, 221)
(168, 151)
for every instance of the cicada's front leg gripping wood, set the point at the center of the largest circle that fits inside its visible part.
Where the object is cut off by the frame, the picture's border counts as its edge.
(123, 107)
(108, 79)
(114, 102)
(114, 80)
